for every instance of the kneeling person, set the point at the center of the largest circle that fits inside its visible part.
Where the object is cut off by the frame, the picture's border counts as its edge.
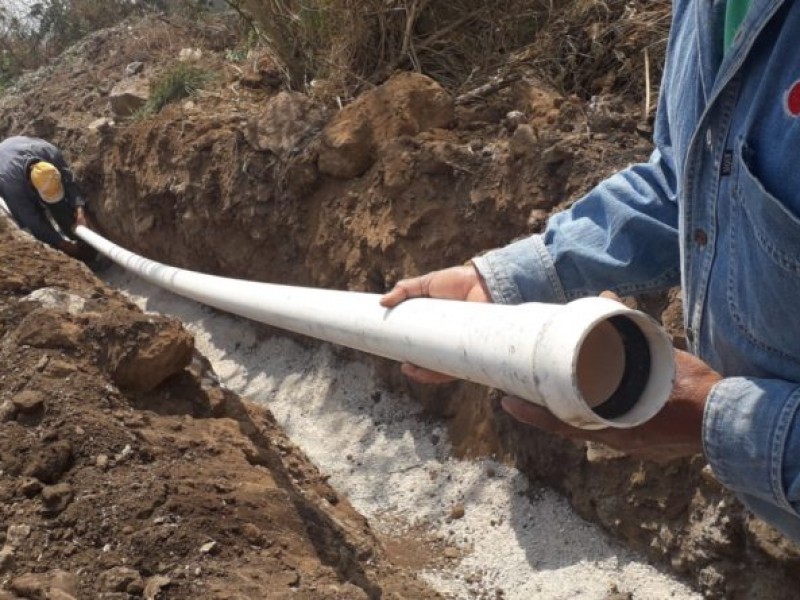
(38, 188)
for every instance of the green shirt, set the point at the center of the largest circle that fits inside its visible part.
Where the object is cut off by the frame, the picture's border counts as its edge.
(734, 15)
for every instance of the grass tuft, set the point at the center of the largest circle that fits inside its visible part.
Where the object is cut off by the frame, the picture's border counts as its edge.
(175, 84)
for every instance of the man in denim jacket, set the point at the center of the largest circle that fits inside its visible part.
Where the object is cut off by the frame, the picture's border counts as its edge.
(716, 209)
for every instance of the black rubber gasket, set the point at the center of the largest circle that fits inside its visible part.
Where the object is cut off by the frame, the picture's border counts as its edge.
(636, 374)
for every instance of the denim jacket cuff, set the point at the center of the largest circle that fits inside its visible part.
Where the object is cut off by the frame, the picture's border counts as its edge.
(747, 429)
(521, 272)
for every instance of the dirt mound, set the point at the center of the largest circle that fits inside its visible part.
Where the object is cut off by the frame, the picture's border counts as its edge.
(250, 181)
(127, 472)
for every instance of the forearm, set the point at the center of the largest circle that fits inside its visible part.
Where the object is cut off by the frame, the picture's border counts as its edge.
(622, 236)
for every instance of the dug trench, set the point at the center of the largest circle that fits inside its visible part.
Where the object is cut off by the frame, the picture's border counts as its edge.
(269, 185)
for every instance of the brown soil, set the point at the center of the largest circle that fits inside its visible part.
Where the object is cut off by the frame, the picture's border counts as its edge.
(251, 181)
(127, 472)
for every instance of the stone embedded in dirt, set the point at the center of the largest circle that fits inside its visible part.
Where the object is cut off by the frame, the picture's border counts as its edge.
(523, 141)
(48, 463)
(60, 369)
(101, 125)
(60, 595)
(285, 122)
(514, 119)
(451, 552)
(122, 579)
(406, 105)
(47, 328)
(134, 68)
(56, 498)
(209, 548)
(57, 299)
(16, 534)
(6, 559)
(154, 586)
(43, 586)
(457, 511)
(30, 487)
(29, 402)
(7, 411)
(128, 96)
(162, 348)
(101, 461)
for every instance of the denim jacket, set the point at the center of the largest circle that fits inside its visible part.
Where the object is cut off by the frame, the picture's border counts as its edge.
(716, 209)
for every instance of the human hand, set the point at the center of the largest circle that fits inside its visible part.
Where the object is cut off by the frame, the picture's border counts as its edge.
(69, 247)
(80, 218)
(456, 283)
(675, 432)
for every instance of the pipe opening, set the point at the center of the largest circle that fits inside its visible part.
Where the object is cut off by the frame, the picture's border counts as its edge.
(613, 367)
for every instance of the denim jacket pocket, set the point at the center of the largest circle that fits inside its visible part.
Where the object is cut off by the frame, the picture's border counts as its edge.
(764, 266)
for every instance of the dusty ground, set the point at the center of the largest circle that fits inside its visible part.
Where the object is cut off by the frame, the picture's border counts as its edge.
(252, 181)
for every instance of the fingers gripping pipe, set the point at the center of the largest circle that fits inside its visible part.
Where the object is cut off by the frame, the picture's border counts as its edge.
(594, 363)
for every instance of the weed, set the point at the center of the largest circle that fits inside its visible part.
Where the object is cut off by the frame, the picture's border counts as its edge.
(179, 82)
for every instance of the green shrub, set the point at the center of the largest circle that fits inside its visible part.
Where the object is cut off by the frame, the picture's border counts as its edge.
(175, 84)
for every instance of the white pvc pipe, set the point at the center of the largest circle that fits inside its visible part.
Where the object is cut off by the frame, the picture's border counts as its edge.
(594, 363)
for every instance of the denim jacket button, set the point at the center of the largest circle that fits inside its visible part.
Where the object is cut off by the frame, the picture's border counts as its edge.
(709, 139)
(700, 237)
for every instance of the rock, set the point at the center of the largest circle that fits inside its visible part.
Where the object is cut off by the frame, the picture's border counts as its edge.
(154, 586)
(32, 585)
(65, 582)
(288, 121)
(101, 125)
(406, 105)
(514, 119)
(56, 585)
(209, 548)
(348, 150)
(49, 462)
(29, 402)
(522, 142)
(60, 369)
(47, 328)
(6, 559)
(59, 595)
(161, 351)
(30, 487)
(451, 552)
(128, 96)
(190, 54)
(8, 411)
(121, 579)
(56, 498)
(16, 534)
(457, 511)
(101, 461)
(537, 219)
(134, 68)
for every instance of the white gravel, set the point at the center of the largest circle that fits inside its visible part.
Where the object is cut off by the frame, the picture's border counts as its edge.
(394, 466)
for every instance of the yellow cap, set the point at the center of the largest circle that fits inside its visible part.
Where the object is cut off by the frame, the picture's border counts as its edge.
(46, 178)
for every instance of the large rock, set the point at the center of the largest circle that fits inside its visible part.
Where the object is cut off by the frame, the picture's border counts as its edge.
(162, 348)
(288, 120)
(128, 96)
(406, 105)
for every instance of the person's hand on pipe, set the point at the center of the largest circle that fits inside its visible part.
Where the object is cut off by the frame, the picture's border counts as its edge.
(675, 432)
(80, 217)
(455, 283)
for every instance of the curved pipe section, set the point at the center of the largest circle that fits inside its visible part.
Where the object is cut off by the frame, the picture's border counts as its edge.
(593, 362)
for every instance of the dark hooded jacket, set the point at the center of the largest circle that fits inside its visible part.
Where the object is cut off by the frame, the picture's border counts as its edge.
(17, 156)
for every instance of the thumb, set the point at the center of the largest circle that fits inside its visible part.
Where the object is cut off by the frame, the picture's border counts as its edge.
(610, 295)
